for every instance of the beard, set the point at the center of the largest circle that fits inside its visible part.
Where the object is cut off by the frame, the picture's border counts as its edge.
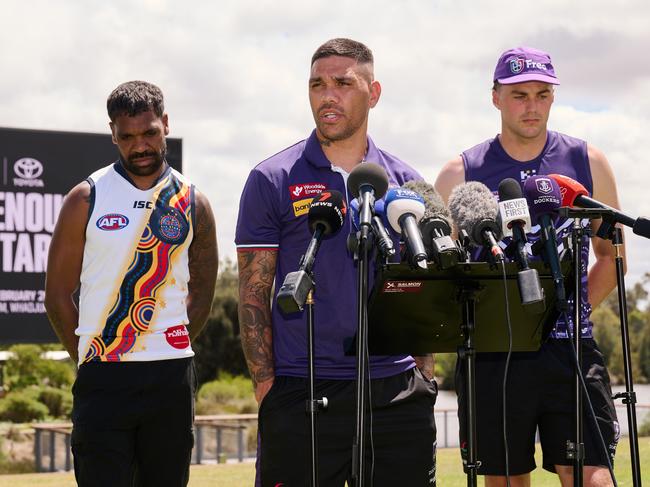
(148, 170)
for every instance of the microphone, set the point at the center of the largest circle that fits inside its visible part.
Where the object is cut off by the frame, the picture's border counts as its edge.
(382, 238)
(515, 221)
(543, 195)
(367, 182)
(404, 209)
(326, 216)
(474, 209)
(435, 226)
(575, 194)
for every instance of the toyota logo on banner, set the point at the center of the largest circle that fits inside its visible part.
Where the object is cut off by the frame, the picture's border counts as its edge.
(28, 170)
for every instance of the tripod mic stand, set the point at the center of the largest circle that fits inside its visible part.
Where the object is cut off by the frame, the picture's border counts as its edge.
(609, 231)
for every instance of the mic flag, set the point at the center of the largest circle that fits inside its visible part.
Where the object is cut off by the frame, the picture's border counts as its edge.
(474, 209)
(544, 199)
(326, 216)
(328, 210)
(404, 209)
(514, 216)
(513, 207)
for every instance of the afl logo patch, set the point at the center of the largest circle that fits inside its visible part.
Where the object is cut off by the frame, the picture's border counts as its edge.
(169, 225)
(112, 221)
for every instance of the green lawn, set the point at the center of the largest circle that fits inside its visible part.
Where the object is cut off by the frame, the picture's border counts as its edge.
(241, 475)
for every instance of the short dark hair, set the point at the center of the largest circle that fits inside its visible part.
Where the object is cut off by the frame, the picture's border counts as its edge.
(135, 97)
(345, 48)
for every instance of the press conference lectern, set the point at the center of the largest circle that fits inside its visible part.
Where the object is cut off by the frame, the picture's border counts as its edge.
(460, 310)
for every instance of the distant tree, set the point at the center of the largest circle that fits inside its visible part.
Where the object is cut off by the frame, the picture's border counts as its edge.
(218, 347)
(26, 367)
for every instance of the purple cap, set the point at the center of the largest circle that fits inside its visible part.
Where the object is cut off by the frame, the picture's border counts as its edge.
(523, 64)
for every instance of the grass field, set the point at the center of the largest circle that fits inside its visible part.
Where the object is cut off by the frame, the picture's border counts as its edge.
(450, 472)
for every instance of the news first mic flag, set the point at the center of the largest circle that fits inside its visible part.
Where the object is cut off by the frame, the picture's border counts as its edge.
(37, 169)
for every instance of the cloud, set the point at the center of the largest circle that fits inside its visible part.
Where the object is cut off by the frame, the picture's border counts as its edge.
(235, 72)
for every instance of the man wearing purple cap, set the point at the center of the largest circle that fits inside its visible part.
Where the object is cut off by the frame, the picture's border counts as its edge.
(272, 234)
(541, 385)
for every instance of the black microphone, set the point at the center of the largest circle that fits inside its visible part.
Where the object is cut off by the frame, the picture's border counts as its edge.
(435, 226)
(543, 195)
(575, 194)
(474, 209)
(367, 182)
(515, 220)
(326, 216)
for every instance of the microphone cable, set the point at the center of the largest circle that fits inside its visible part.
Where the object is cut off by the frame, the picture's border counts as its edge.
(585, 392)
(370, 428)
(505, 374)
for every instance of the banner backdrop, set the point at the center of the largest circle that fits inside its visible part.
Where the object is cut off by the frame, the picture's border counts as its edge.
(37, 169)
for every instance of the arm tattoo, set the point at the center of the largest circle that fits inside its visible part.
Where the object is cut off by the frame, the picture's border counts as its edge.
(203, 263)
(256, 274)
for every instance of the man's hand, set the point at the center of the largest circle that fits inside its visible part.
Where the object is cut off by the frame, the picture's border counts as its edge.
(262, 389)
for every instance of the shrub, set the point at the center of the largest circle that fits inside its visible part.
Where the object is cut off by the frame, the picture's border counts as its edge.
(21, 407)
(27, 368)
(57, 401)
(228, 394)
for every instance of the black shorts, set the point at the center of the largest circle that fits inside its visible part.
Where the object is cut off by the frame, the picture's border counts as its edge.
(401, 450)
(133, 420)
(541, 392)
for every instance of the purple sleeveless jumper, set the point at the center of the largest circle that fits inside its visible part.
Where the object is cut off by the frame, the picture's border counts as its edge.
(489, 163)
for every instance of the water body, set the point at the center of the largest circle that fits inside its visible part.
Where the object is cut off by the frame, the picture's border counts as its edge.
(447, 418)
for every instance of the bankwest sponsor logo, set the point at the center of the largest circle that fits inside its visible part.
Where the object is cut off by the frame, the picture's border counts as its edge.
(302, 207)
(112, 221)
(402, 286)
(27, 171)
(300, 191)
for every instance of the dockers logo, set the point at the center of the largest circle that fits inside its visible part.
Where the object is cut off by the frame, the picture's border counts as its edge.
(544, 185)
(27, 171)
(302, 207)
(516, 65)
(112, 221)
(304, 190)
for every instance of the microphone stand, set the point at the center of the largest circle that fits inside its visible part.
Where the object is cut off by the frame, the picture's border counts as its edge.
(576, 450)
(313, 405)
(609, 231)
(629, 396)
(358, 447)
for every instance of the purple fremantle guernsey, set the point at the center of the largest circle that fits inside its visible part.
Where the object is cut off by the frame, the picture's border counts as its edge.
(489, 163)
(273, 215)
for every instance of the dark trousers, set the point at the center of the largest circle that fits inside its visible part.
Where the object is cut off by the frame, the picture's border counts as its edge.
(133, 423)
(400, 449)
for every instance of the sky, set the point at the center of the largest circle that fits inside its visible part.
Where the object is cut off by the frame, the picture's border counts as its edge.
(234, 74)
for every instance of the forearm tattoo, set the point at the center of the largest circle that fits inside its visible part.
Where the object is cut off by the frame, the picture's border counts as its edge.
(256, 273)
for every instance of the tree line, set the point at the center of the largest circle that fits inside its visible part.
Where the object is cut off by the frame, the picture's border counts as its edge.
(218, 348)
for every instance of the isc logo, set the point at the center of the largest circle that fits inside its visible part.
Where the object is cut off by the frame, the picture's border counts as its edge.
(143, 204)
(112, 221)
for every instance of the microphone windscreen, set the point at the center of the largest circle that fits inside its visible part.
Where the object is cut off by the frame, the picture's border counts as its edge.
(434, 206)
(570, 189)
(510, 189)
(368, 174)
(474, 209)
(543, 195)
(328, 209)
